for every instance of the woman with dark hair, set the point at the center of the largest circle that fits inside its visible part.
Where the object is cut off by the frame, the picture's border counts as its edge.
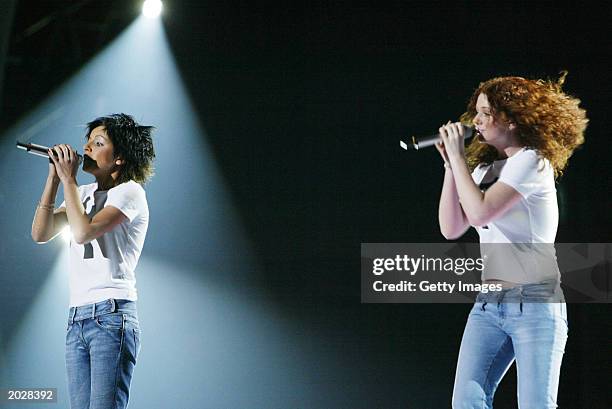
(108, 220)
(504, 186)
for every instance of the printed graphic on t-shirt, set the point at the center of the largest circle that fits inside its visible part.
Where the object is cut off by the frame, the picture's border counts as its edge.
(88, 250)
(483, 186)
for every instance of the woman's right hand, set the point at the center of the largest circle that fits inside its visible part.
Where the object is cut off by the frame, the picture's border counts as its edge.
(440, 147)
(52, 172)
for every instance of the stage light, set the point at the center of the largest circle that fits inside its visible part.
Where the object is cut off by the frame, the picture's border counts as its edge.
(152, 8)
(66, 234)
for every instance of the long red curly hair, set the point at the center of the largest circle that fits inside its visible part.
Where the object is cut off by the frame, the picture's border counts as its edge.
(547, 119)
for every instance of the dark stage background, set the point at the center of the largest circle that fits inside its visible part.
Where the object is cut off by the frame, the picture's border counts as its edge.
(303, 107)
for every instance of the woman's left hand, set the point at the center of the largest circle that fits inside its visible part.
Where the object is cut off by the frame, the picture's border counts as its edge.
(452, 136)
(66, 162)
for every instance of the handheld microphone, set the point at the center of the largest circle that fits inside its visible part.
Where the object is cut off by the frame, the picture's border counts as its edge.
(39, 150)
(419, 142)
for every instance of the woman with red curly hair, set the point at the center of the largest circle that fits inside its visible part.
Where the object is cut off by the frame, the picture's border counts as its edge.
(504, 186)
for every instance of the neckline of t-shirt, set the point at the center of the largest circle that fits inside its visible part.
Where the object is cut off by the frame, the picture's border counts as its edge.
(523, 149)
(98, 191)
(104, 191)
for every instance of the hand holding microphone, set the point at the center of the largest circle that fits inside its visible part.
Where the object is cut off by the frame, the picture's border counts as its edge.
(66, 162)
(420, 142)
(442, 150)
(59, 156)
(452, 137)
(449, 141)
(40, 150)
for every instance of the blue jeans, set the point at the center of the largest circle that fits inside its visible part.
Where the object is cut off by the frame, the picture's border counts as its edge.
(102, 343)
(527, 323)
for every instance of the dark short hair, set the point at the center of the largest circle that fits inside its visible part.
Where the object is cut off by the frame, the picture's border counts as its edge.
(132, 142)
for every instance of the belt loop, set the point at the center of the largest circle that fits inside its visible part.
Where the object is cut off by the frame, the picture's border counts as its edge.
(113, 304)
(72, 315)
(483, 306)
(93, 310)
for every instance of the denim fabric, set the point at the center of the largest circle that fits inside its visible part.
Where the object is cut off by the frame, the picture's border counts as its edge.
(528, 324)
(102, 344)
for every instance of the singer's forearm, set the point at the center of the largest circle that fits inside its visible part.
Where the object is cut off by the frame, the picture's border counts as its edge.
(470, 196)
(451, 218)
(43, 226)
(77, 219)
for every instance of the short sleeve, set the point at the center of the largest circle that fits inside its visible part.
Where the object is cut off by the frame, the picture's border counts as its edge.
(128, 197)
(524, 172)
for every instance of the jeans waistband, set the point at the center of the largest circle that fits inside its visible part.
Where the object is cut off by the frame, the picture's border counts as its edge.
(101, 308)
(546, 291)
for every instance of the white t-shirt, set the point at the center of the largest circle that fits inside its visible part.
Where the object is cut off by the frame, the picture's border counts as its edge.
(104, 268)
(530, 225)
